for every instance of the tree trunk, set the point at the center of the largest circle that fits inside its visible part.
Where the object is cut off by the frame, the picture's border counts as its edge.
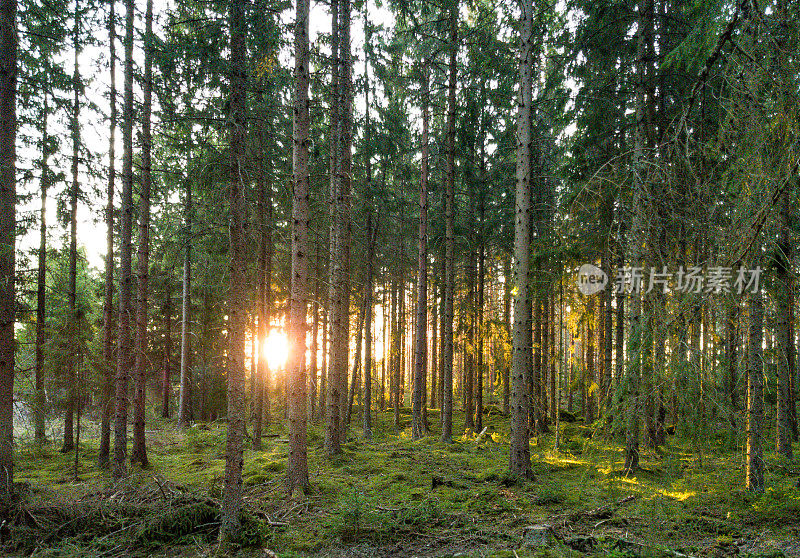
(783, 329)
(421, 333)
(481, 281)
(323, 369)
(450, 271)
(343, 201)
(590, 398)
(297, 464)
(507, 321)
(72, 281)
(608, 344)
(394, 352)
(139, 449)
(126, 225)
(166, 387)
(185, 396)
(108, 291)
(39, 402)
(469, 337)
(340, 237)
(8, 202)
(635, 251)
(519, 459)
(755, 403)
(230, 527)
(265, 250)
(356, 365)
(371, 238)
(731, 365)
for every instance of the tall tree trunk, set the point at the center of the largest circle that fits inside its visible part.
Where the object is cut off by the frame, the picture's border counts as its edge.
(340, 208)
(434, 343)
(469, 334)
(72, 281)
(731, 365)
(8, 201)
(323, 369)
(421, 332)
(343, 202)
(125, 249)
(754, 479)
(139, 449)
(481, 262)
(314, 350)
(608, 344)
(385, 359)
(394, 351)
(590, 370)
(264, 287)
(450, 270)
(783, 331)
(356, 365)
(637, 323)
(108, 291)
(166, 386)
(44, 181)
(297, 463)
(366, 417)
(230, 527)
(659, 368)
(185, 396)
(520, 459)
(507, 321)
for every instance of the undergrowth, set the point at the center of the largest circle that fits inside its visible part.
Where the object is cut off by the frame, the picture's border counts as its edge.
(428, 497)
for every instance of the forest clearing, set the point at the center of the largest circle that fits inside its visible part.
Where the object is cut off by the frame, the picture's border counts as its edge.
(366, 278)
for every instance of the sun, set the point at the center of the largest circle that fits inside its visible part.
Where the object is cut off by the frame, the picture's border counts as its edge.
(275, 349)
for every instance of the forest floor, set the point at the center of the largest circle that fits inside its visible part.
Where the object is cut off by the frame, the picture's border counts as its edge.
(394, 497)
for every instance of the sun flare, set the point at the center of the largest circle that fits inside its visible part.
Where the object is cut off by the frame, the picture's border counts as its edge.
(275, 349)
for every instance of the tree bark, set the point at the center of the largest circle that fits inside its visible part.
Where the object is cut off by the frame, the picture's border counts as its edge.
(166, 386)
(783, 331)
(8, 201)
(185, 396)
(450, 271)
(297, 464)
(637, 323)
(356, 365)
(754, 479)
(230, 528)
(519, 459)
(139, 449)
(72, 281)
(44, 181)
(265, 250)
(340, 239)
(506, 371)
(421, 333)
(371, 238)
(124, 319)
(108, 291)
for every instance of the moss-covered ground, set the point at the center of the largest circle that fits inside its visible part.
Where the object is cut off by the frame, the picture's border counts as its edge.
(396, 497)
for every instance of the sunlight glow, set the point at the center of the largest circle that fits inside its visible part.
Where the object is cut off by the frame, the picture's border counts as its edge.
(275, 349)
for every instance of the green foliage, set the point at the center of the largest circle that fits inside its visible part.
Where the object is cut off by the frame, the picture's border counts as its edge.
(175, 524)
(200, 438)
(779, 504)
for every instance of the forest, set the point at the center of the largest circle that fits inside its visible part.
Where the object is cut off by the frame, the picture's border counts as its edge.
(399, 278)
